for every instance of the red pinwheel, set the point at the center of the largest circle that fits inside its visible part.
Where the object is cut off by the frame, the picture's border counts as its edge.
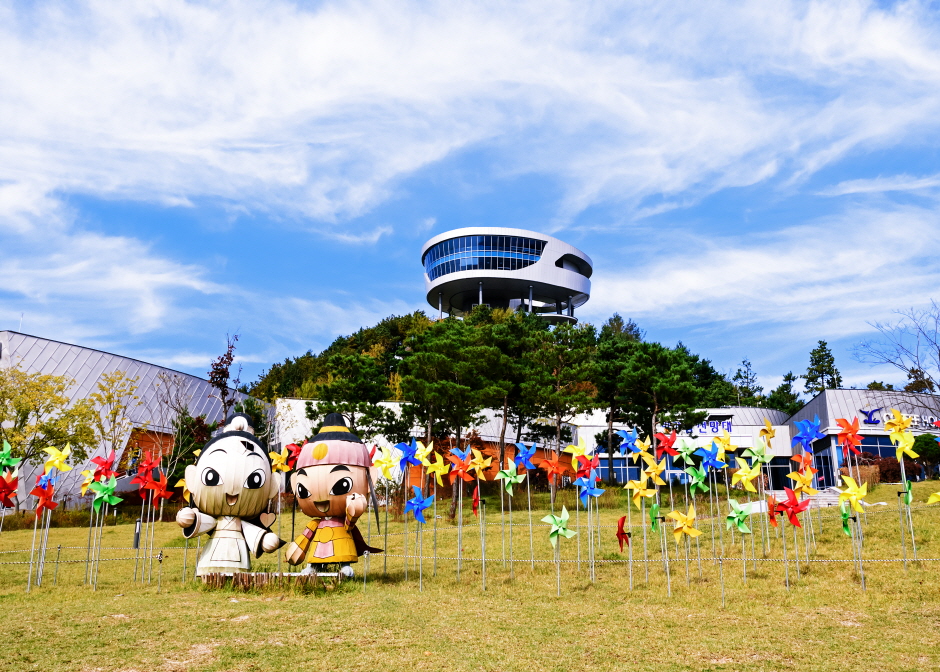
(849, 437)
(45, 497)
(460, 469)
(553, 467)
(160, 489)
(476, 501)
(664, 445)
(586, 466)
(792, 507)
(105, 468)
(371, 452)
(772, 510)
(8, 485)
(145, 470)
(806, 462)
(622, 535)
(294, 452)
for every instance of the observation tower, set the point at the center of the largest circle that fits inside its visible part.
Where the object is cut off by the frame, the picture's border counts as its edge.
(505, 268)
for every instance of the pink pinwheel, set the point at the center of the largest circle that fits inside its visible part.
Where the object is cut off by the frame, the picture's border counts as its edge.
(105, 468)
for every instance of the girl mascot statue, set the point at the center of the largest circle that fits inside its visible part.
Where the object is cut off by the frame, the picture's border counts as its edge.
(331, 482)
(232, 486)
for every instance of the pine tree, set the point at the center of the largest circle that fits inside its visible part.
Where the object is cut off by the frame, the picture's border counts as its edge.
(822, 373)
(745, 382)
(784, 397)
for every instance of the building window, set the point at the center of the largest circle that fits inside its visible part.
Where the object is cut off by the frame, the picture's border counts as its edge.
(481, 252)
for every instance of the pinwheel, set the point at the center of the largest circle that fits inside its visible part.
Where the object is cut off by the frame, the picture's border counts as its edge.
(654, 469)
(523, 457)
(639, 491)
(772, 510)
(104, 492)
(759, 452)
(664, 444)
(44, 492)
(293, 452)
(809, 432)
(105, 468)
(654, 516)
(160, 488)
(438, 469)
(460, 469)
(710, 458)
(724, 445)
(586, 465)
(849, 437)
(805, 462)
(57, 458)
(686, 449)
(792, 507)
(279, 460)
(854, 494)
(510, 477)
(9, 482)
(897, 425)
(145, 468)
(418, 504)
(685, 523)
(7, 461)
(182, 484)
(628, 441)
(934, 498)
(767, 432)
(422, 452)
(559, 526)
(905, 445)
(553, 468)
(580, 450)
(622, 535)
(89, 479)
(846, 517)
(588, 489)
(908, 496)
(407, 456)
(640, 447)
(698, 479)
(745, 474)
(476, 501)
(479, 464)
(804, 482)
(385, 463)
(461, 454)
(737, 518)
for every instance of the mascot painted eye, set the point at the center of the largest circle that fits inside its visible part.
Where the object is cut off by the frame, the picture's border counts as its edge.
(255, 480)
(211, 477)
(302, 492)
(342, 486)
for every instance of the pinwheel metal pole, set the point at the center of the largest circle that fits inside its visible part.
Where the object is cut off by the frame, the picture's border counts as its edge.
(434, 573)
(786, 563)
(590, 542)
(558, 568)
(512, 565)
(459, 527)
(711, 510)
(796, 552)
(420, 557)
(630, 541)
(577, 523)
(45, 545)
(502, 523)
(91, 518)
(32, 549)
(901, 527)
(98, 550)
(646, 560)
(528, 489)
(483, 540)
(744, 557)
(405, 544)
(688, 577)
(365, 560)
(662, 531)
(907, 506)
(385, 554)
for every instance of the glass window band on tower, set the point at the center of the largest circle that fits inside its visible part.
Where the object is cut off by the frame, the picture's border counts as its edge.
(470, 253)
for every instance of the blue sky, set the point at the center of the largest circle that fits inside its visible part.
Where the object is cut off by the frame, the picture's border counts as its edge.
(748, 177)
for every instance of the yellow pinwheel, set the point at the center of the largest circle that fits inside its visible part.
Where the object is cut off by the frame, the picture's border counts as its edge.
(853, 493)
(644, 447)
(768, 432)
(182, 484)
(745, 474)
(89, 475)
(897, 424)
(279, 460)
(580, 450)
(905, 445)
(639, 491)
(57, 458)
(438, 469)
(933, 499)
(385, 464)
(685, 523)
(479, 464)
(803, 481)
(422, 452)
(654, 469)
(724, 445)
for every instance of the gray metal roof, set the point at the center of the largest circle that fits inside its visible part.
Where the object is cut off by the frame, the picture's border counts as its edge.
(750, 416)
(832, 404)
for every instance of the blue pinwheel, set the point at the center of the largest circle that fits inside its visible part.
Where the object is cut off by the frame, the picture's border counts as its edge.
(418, 504)
(524, 455)
(710, 458)
(809, 432)
(588, 487)
(408, 455)
(45, 480)
(462, 454)
(628, 441)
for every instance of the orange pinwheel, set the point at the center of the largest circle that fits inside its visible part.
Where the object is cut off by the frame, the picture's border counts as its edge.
(553, 467)
(160, 489)
(849, 437)
(772, 509)
(805, 460)
(460, 469)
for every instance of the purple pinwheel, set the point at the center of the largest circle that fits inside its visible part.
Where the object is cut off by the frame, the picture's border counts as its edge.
(628, 441)
(408, 455)
(710, 458)
(418, 504)
(524, 456)
(809, 432)
(588, 489)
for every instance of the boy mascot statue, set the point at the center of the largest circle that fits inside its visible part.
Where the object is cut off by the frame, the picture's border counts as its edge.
(231, 484)
(331, 482)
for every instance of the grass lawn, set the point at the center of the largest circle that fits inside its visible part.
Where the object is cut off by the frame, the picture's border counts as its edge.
(824, 622)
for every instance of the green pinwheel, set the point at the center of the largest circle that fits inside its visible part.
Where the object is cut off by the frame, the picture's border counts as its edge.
(737, 517)
(654, 517)
(686, 449)
(559, 526)
(104, 492)
(908, 496)
(759, 452)
(846, 517)
(7, 461)
(697, 479)
(510, 476)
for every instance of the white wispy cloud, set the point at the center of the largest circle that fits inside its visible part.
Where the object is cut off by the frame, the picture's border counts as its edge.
(880, 185)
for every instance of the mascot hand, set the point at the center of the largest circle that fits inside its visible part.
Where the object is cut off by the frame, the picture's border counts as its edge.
(185, 517)
(355, 507)
(295, 554)
(271, 542)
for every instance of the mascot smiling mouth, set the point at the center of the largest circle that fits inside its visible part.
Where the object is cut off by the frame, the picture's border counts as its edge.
(231, 499)
(323, 506)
